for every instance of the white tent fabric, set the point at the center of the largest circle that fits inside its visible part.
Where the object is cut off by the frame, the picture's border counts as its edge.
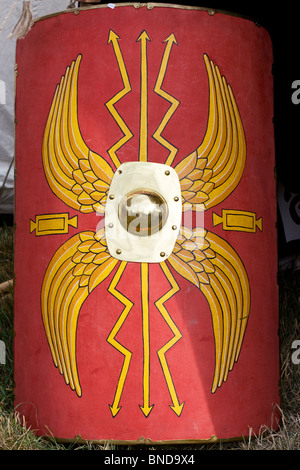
(10, 13)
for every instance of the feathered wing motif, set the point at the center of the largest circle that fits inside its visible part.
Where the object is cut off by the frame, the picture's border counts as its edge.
(78, 176)
(211, 264)
(207, 176)
(81, 179)
(76, 268)
(210, 173)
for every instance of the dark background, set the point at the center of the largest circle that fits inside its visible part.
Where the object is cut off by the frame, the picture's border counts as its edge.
(282, 23)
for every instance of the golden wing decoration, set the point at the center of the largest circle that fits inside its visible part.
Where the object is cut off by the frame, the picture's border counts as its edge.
(209, 174)
(76, 268)
(211, 264)
(78, 176)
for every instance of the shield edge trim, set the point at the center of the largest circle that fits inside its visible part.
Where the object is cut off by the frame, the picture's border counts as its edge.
(150, 6)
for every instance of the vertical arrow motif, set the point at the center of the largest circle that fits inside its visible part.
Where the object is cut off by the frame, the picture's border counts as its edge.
(113, 38)
(146, 407)
(170, 40)
(143, 150)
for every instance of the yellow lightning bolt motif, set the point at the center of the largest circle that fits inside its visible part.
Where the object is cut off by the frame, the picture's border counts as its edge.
(176, 406)
(113, 38)
(115, 408)
(170, 40)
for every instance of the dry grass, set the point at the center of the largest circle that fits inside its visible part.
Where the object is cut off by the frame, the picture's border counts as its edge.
(15, 436)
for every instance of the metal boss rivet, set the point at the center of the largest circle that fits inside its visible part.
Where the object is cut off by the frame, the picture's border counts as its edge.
(118, 251)
(111, 196)
(110, 225)
(167, 172)
(162, 254)
(174, 227)
(176, 198)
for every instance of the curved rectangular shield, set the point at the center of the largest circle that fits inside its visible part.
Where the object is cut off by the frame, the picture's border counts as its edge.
(146, 255)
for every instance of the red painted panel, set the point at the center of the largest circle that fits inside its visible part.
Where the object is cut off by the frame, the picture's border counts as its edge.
(179, 350)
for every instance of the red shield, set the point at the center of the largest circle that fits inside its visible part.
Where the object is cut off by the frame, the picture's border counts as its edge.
(183, 348)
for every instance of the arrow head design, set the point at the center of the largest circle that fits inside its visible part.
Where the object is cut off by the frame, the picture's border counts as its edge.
(112, 36)
(171, 39)
(143, 36)
(114, 410)
(146, 409)
(177, 408)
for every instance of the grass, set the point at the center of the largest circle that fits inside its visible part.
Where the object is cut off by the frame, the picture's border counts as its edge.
(15, 436)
